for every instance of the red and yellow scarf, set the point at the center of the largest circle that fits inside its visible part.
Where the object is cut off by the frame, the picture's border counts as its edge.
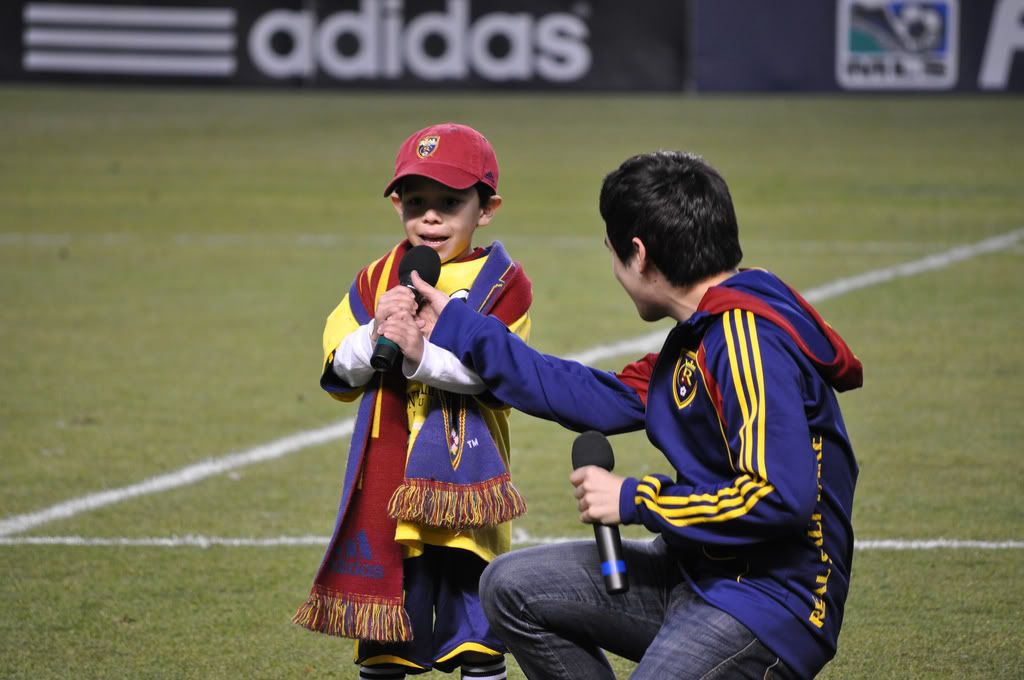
(357, 591)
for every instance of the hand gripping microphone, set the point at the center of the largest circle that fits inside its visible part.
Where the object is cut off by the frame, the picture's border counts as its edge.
(425, 261)
(592, 448)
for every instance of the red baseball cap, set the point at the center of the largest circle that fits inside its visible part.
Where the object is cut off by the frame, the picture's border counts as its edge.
(454, 155)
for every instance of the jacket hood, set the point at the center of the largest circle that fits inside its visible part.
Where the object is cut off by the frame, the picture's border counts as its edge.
(767, 296)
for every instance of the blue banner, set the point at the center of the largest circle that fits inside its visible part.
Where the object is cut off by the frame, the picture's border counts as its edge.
(859, 45)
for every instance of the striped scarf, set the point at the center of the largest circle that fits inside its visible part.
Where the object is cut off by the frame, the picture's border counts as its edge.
(453, 477)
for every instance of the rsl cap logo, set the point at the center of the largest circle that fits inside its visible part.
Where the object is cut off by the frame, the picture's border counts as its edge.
(897, 44)
(427, 146)
(684, 379)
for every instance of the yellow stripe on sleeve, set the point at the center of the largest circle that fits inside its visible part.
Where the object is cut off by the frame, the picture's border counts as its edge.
(728, 503)
(750, 443)
(748, 502)
(759, 369)
(738, 385)
(697, 504)
(651, 488)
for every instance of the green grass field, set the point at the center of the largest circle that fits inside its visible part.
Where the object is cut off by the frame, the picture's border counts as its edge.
(167, 259)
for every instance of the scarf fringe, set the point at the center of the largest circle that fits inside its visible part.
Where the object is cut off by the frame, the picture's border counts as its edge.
(354, 616)
(457, 506)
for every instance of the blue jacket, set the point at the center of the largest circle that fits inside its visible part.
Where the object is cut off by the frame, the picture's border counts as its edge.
(741, 402)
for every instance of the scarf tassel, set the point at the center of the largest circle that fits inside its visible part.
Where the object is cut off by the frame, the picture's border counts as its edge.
(457, 506)
(353, 616)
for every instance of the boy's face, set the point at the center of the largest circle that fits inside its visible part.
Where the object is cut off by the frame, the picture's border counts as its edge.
(440, 217)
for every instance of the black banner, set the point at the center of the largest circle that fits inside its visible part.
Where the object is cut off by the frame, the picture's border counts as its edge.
(386, 44)
(589, 45)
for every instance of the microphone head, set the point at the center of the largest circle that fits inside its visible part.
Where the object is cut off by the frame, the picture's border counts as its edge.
(423, 260)
(592, 448)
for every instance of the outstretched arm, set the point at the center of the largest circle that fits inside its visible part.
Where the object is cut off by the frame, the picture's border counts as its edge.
(427, 363)
(576, 396)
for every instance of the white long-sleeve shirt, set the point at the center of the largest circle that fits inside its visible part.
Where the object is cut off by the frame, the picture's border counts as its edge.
(438, 368)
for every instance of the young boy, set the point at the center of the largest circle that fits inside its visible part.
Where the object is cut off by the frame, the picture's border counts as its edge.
(750, 568)
(427, 496)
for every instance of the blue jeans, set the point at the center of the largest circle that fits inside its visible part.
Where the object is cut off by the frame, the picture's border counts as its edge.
(550, 607)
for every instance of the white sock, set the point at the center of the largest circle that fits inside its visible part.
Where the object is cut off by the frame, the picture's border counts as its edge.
(491, 670)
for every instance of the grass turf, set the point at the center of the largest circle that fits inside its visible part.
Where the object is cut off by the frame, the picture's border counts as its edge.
(167, 258)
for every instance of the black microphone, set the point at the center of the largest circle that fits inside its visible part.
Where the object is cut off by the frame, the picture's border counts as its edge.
(425, 261)
(592, 448)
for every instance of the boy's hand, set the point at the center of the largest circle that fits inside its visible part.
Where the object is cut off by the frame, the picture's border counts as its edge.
(597, 494)
(398, 300)
(401, 329)
(434, 302)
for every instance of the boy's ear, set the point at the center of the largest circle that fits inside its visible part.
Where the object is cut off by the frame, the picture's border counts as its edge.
(640, 253)
(396, 201)
(488, 209)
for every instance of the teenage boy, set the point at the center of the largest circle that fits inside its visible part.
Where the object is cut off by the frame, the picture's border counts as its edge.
(750, 567)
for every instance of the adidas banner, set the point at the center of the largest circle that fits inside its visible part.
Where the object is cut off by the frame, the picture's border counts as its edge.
(576, 45)
(375, 44)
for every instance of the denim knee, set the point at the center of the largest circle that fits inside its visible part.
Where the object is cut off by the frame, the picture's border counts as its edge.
(493, 587)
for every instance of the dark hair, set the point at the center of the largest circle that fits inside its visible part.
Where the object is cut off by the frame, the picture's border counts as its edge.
(680, 207)
(482, 190)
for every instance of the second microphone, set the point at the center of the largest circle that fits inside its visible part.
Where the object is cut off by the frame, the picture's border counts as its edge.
(592, 448)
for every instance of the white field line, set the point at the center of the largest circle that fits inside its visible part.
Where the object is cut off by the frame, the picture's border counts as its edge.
(192, 474)
(183, 477)
(925, 264)
(519, 537)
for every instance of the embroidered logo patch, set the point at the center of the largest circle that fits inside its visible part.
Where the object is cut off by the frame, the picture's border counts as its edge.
(454, 416)
(427, 146)
(684, 379)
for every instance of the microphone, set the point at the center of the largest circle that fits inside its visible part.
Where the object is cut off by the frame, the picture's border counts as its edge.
(592, 448)
(425, 261)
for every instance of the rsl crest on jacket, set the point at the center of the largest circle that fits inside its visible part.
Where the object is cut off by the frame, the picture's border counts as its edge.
(685, 379)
